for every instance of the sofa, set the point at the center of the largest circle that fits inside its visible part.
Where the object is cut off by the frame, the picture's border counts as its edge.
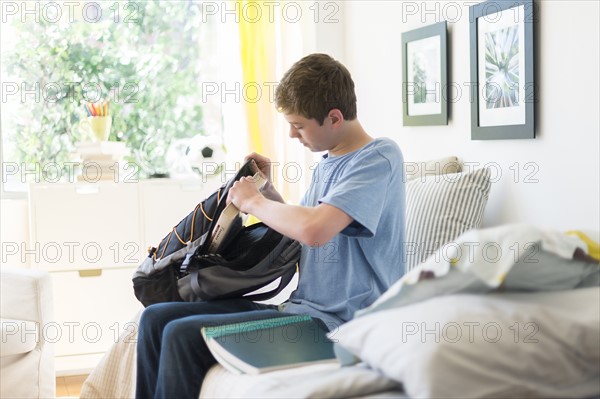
(443, 206)
(505, 311)
(26, 314)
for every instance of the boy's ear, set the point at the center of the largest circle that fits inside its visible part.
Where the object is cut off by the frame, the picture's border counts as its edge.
(336, 117)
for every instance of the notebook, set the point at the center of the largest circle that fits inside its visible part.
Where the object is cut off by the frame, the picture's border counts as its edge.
(260, 346)
(228, 220)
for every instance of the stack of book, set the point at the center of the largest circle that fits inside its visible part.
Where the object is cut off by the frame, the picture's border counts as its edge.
(101, 160)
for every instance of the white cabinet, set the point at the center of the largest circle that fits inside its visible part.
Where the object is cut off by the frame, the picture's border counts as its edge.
(91, 237)
(85, 225)
(91, 310)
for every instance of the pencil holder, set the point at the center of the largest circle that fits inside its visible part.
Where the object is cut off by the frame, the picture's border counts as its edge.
(97, 126)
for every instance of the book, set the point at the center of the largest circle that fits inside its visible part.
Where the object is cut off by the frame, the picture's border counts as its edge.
(260, 346)
(93, 149)
(228, 220)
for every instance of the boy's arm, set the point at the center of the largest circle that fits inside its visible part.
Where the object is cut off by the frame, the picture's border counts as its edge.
(271, 193)
(313, 226)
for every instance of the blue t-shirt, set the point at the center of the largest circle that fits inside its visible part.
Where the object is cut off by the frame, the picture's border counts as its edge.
(362, 261)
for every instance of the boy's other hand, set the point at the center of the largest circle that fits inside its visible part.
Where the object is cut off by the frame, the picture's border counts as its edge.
(265, 167)
(263, 163)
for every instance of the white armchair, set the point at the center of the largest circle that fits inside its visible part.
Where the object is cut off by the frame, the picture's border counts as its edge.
(26, 357)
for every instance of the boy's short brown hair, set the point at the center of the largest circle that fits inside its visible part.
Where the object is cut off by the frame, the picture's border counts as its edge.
(314, 86)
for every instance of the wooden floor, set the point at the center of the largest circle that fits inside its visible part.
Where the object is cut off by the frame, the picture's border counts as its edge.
(69, 386)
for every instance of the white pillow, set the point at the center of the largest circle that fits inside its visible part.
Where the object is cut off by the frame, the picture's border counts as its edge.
(440, 208)
(499, 345)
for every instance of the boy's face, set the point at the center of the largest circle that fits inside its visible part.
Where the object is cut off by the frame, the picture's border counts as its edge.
(308, 131)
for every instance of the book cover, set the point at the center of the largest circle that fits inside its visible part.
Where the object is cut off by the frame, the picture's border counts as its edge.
(260, 346)
(92, 149)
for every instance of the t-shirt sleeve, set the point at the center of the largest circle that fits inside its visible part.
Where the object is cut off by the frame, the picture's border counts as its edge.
(361, 193)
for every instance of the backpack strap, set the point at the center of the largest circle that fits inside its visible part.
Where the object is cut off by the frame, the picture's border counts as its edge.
(195, 286)
(192, 264)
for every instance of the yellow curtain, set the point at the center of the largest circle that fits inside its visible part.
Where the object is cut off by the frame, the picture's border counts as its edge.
(268, 47)
(258, 57)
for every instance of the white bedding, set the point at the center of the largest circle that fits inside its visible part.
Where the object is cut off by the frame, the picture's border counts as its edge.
(317, 381)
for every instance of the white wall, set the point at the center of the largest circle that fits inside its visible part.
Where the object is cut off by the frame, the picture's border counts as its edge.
(564, 156)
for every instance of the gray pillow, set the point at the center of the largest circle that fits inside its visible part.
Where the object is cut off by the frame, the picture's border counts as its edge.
(542, 344)
(440, 208)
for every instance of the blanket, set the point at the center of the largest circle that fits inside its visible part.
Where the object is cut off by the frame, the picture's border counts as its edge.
(114, 376)
(506, 258)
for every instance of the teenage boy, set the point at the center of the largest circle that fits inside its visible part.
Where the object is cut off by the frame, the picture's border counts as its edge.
(350, 222)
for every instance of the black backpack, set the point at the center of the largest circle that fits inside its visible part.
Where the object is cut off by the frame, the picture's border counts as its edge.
(248, 259)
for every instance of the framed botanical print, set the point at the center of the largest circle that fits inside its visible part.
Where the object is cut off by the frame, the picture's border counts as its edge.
(501, 44)
(424, 76)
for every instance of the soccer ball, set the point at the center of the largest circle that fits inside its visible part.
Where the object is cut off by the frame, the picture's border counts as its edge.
(206, 155)
(196, 156)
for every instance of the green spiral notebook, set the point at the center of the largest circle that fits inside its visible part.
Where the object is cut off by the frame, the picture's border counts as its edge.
(259, 346)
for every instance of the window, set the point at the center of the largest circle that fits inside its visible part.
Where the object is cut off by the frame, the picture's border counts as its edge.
(147, 58)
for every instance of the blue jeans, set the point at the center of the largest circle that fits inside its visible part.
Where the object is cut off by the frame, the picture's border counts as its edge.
(172, 358)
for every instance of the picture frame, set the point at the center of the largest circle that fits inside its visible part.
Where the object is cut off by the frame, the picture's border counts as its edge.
(502, 70)
(424, 76)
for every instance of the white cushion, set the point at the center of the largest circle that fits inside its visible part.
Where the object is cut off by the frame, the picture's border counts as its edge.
(26, 294)
(26, 362)
(18, 336)
(500, 345)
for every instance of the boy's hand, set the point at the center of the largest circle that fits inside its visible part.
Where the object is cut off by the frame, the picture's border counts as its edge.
(243, 194)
